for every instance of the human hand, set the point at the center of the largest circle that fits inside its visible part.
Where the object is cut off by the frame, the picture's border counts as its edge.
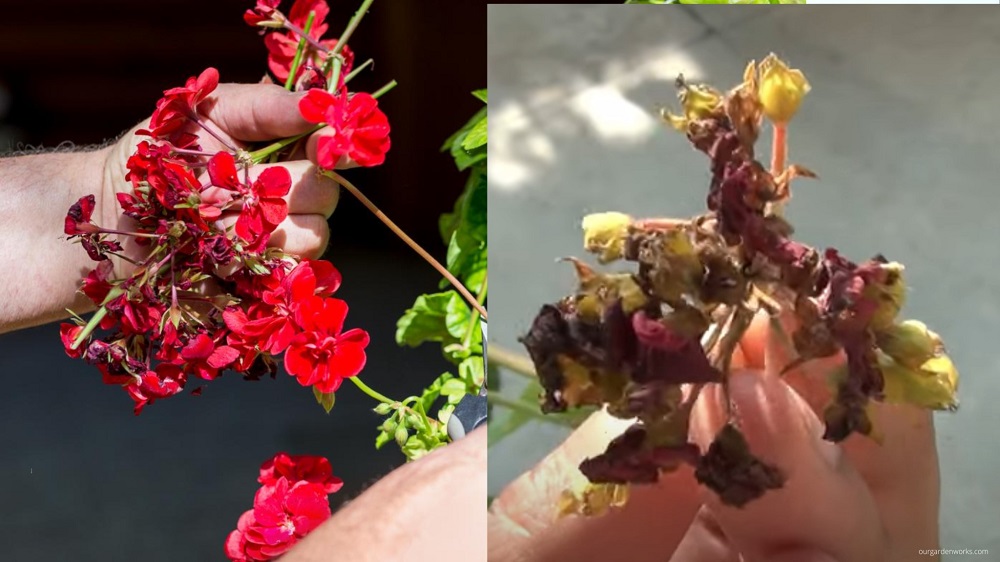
(428, 509)
(855, 501)
(242, 114)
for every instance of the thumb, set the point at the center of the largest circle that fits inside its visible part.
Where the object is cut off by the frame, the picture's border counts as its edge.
(523, 524)
(824, 507)
(255, 112)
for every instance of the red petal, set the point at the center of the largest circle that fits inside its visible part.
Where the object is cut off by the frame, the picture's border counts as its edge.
(272, 212)
(222, 170)
(315, 105)
(332, 317)
(328, 278)
(248, 224)
(299, 14)
(207, 83)
(348, 360)
(222, 356)
(300, 283)
(328, 152)
(273, 182)
(235, 319)
(298, 361)
(198, 348)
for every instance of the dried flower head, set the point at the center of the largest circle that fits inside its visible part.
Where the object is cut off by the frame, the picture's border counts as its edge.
(629, 341)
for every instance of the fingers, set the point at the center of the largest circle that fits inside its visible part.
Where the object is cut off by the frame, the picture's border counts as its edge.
(902, 472)
(255, 112)
(303, 235)
(311, 193)
(823, 500)
(523, 525)
(705, 542)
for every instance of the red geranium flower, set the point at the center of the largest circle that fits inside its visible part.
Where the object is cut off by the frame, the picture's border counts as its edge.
(68, 333)
(205, 359)
(300, 467)
(322, 356)
(263, 206)
(263, 11)
(178, 105)
(78, 217)
(166, 380)
(169, 180)
(282, 515)
(281, 46)
(96, 285)
(361, 130)
(270, 323)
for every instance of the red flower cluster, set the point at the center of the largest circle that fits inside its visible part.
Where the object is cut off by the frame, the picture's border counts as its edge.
(291, 502)
(282, 45)
(204, 300)
(361, 129)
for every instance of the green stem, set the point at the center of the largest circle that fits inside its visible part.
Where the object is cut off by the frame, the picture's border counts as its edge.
(370, 391)
(260, 155)
(511, 361)
(90, 327)
(378, 93)
(332, 83)
(357, 70)
(351, 26)
(290, 81)
(470, 328)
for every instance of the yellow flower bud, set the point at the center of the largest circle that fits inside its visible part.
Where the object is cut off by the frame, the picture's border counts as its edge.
(932, 385)
(698, 101)
(909, 343)
(890, 295)
(605, 233)
(781, 89)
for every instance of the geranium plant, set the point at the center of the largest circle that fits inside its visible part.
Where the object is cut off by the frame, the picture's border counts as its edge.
(643, 343)
(197, 296)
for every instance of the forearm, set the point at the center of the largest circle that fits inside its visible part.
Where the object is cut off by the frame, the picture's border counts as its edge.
(431, 509)
(39, 269)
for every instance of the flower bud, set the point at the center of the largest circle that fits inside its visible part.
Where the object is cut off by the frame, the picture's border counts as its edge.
(889, 291)
(781, 89)
(909, 343)
(698, 102)
(605, 233)
(932, 385)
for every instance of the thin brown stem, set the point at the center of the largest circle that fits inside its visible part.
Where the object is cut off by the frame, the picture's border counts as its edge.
(409, 241)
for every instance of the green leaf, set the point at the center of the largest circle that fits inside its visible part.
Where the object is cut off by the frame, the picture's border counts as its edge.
(476, 136)
(471, 372)
(325, 399)
(466, 158)
(433, 392)
(453, 387)
(438, 317)
(481, 94)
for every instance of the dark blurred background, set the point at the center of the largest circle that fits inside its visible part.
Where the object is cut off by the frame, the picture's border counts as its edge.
(81, 478)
